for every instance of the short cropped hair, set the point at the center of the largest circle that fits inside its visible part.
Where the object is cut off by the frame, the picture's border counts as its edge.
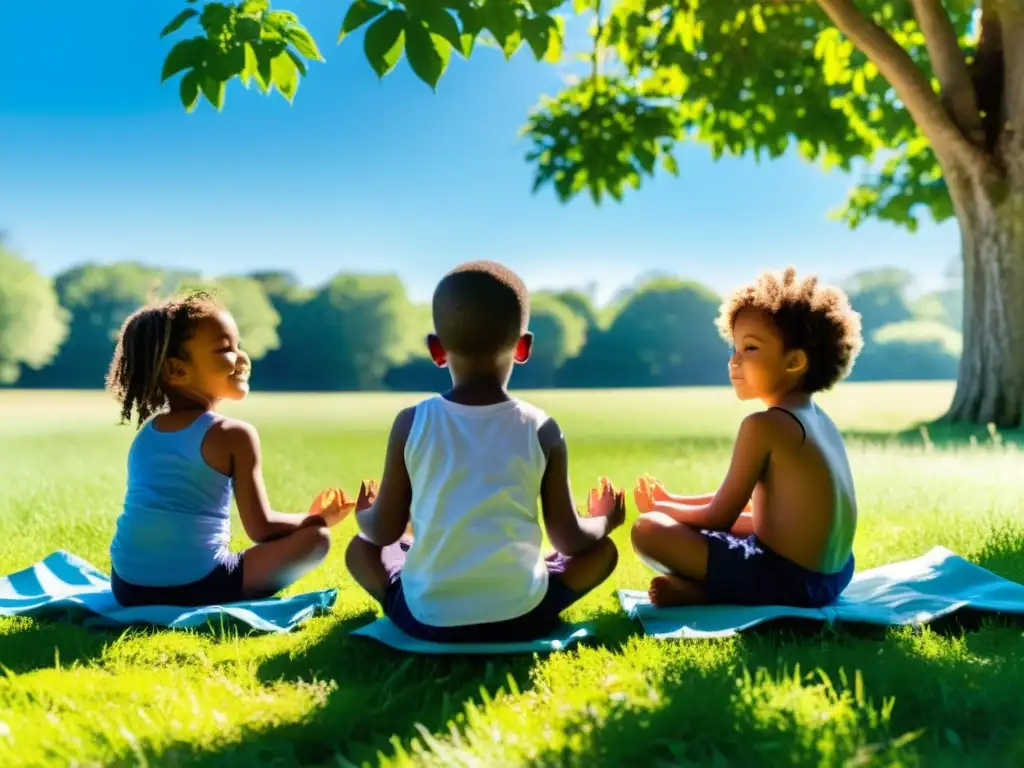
(480, 308)
(810, 316)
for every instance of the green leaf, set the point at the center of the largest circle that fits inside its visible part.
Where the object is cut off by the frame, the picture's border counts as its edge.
(265, 55)
(285, 75)
(428, 54)
(299, 63)
(544, 37)
(186, 54)
(501, 21)
(304, 43)
(383, 42)
(213, 90)
(472, 23)
(755, 16)
(512, 43)
(188, 89)
(247, 30)
(442, 23)
(251, 65)
(668, 162)
(359, 13)
(225, 65)
(254, 7)
(179, 21)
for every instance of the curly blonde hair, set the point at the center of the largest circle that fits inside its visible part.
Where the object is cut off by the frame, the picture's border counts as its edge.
(810, 316)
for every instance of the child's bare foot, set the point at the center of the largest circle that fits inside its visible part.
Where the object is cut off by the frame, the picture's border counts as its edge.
(674, 590)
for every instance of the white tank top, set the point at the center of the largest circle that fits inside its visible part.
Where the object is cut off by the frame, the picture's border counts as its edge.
(476, 474)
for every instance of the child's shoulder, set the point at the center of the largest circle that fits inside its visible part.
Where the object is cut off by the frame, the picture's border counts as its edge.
(233, 433)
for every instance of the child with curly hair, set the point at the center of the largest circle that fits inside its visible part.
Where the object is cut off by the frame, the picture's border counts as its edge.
(174, 362)
(791, 339)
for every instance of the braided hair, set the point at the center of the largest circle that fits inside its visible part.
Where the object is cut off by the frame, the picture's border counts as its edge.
(150, 336)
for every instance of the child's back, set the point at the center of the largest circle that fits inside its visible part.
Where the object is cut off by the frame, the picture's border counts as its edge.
(805, 509)
(176, 523)
(472, 470)
(175, 361)
(476, 473)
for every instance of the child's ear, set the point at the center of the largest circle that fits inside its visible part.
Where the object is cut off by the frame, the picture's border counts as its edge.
(436, 350)
(797, 362)
(524, 348)
(175, 372)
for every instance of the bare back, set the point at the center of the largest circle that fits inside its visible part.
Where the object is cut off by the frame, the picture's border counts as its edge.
(804, 505)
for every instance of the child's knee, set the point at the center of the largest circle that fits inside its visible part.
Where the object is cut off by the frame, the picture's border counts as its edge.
(646, 528)
(358, 552)
(318, 541)
(609, 558)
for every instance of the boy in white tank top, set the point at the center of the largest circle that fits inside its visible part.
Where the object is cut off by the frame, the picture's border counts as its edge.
(467, 468)
(791, 339)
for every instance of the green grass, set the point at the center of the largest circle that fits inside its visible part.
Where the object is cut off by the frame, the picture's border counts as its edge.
(948, 695)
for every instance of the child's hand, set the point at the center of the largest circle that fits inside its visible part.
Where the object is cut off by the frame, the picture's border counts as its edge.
(648, 492)
(367, 495)
(643, 494)
(333, 505)
(607, 501)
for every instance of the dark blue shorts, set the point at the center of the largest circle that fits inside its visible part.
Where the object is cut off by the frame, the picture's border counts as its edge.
(746, 572)
(222, 585)
(539, 622)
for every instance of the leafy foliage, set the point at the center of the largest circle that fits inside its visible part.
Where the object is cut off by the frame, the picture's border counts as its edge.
(247, 40)
(742, 77)
(32, 323)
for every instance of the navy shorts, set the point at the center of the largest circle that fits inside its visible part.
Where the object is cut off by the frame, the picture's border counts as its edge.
(539, 622)
(743, 571)
(222, 585)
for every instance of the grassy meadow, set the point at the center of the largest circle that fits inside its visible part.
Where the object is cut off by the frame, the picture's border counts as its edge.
(948, 695)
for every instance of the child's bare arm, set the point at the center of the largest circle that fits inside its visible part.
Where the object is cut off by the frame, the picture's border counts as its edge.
(261, 523)
(675, 498)
(569, 533)
(386, 519)
(750, 453)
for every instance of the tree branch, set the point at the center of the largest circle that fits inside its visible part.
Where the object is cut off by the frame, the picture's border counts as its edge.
(1013, 73)
(950, 65)
(911, 86)
(987, 72)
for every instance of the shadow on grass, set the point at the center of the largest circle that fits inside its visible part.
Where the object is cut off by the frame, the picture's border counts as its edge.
(800, 703)
(379, 698)
(785, 694)
(940, 435)
(28, 644)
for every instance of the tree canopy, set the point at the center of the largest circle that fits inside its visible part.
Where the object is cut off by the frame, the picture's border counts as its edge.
(745, 78)
(32, 323)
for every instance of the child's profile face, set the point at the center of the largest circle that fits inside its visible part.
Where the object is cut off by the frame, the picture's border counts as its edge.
(216, 367)
(757, 367)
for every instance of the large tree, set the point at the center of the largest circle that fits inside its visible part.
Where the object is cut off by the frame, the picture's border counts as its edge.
(33, 325)
(931, 93)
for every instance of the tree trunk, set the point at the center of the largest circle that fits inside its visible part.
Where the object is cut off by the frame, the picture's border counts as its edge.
(990, 383)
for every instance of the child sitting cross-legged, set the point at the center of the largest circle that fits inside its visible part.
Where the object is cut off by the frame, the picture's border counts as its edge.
(468, 468)
(174, 363)
(780, 528)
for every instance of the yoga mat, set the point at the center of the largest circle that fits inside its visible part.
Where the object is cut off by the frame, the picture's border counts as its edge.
(909, 592)
(64, 586)
(384, 631)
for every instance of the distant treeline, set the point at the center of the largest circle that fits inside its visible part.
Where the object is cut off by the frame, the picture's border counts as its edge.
(361, 332)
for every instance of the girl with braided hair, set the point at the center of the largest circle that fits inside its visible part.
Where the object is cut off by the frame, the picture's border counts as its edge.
(174, 362)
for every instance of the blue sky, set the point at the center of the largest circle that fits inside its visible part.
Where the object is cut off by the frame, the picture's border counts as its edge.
(98, 162)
